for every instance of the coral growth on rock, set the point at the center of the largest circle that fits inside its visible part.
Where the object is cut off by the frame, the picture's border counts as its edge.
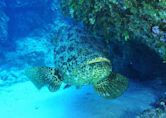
(123, 20)
(158, 110)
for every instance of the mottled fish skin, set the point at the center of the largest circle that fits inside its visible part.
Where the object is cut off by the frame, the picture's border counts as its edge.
(73, 49)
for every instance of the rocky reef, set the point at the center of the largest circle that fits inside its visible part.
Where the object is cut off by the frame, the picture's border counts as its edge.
(11, 76)
(25, 28)
(123, 20)
(158, 110)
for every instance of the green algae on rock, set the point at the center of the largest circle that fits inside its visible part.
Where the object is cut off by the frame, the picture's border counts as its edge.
(122, 19)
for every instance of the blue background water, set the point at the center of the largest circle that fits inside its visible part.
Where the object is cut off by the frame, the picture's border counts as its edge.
(26, 28)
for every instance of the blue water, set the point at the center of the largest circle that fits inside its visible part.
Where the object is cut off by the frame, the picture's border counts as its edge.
(26, 29)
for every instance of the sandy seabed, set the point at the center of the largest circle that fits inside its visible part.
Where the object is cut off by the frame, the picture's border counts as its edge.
(23, 100)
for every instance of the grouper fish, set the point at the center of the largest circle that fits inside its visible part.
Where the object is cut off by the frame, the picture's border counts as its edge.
(79, 59)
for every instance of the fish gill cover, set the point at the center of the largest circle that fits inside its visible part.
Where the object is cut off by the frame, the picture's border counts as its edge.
(135, 31)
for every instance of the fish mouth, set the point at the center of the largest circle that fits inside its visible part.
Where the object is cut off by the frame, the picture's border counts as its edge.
(98, 59)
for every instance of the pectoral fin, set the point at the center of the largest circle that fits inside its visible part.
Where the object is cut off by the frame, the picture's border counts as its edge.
(41, 76)
(112, 87)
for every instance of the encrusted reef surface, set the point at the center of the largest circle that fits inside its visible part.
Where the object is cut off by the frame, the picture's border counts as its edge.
(123, 20)
(158, 110)
(25, 28)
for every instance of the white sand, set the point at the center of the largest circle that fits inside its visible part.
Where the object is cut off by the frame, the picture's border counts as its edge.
(23, 100)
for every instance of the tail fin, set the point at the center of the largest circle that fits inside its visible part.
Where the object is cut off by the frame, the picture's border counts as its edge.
(112, 87)
(41, 76)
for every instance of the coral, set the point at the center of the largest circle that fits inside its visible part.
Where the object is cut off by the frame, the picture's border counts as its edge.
(123, 20)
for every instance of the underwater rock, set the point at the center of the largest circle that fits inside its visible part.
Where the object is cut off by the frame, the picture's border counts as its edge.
(31, 50)
(35, 49)
(11, 76)
(158, 110)
(153, 113)
(121, 20)
(30, 31)
(160, 103)
(136, 60)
